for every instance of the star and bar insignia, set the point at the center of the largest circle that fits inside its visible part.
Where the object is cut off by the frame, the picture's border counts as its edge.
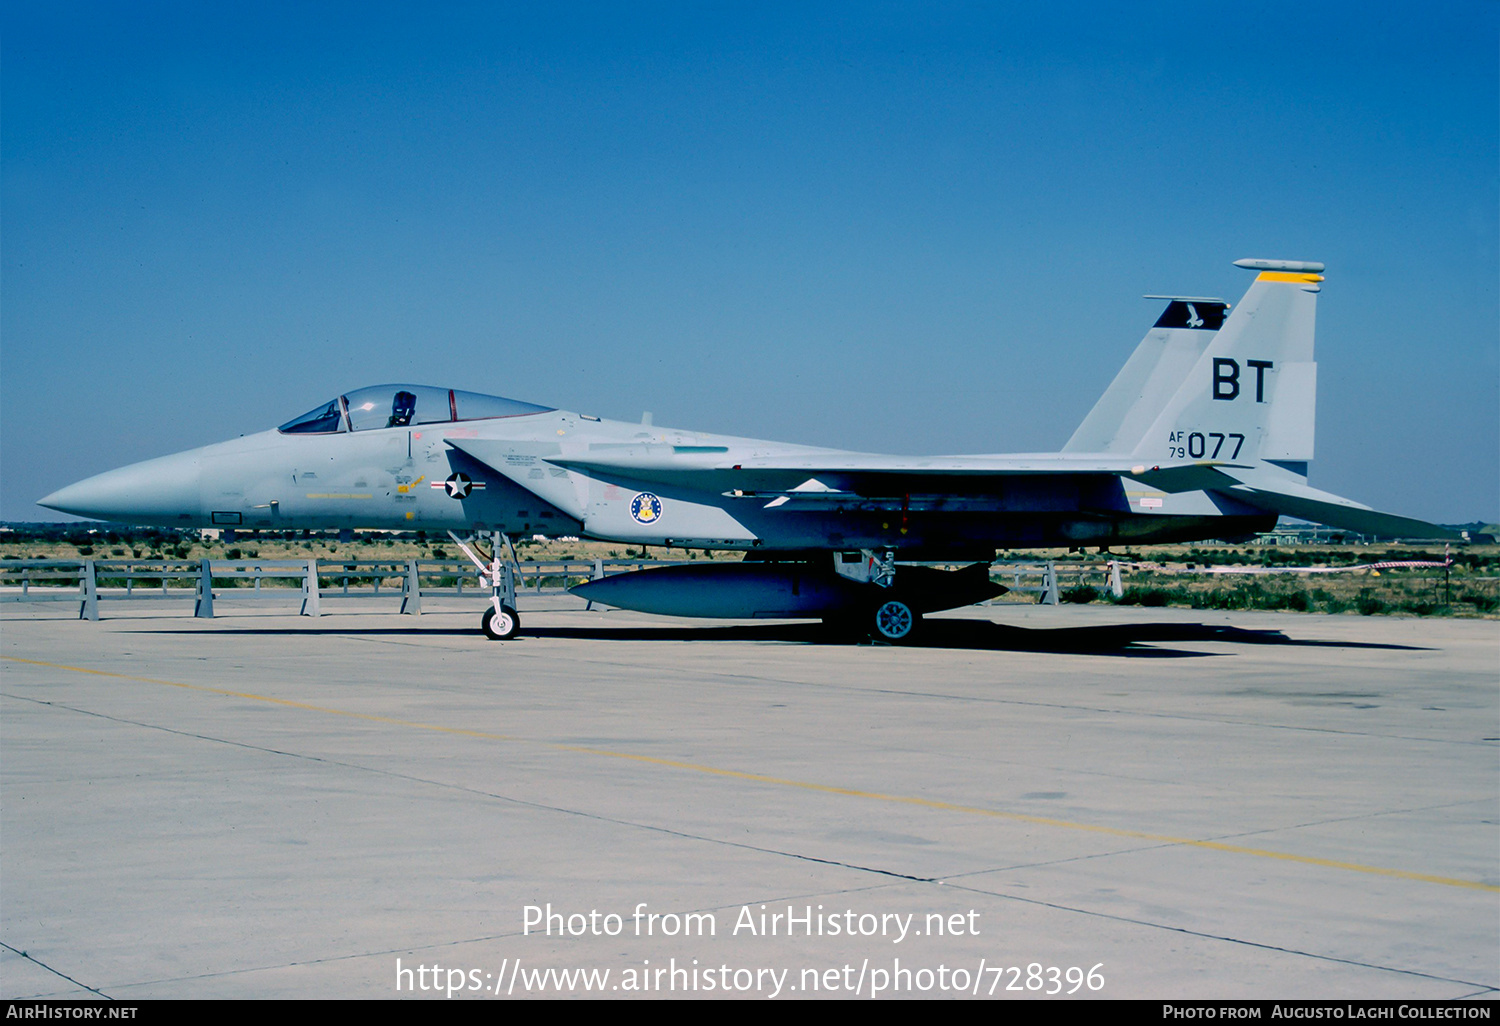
(458, 485)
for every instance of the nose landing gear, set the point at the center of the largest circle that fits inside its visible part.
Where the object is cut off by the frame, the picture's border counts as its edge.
(500, 621)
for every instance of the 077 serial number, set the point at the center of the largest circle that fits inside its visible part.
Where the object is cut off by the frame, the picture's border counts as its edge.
(1196, 445)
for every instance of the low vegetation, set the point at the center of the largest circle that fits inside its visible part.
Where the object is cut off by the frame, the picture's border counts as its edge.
(1178, 576)
(1169, 575)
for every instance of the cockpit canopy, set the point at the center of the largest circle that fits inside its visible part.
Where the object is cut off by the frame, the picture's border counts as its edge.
(386, 406)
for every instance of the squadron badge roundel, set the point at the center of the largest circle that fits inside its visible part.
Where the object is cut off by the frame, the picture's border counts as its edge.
(645, 508)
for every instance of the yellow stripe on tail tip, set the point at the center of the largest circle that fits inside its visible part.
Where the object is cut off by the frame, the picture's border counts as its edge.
(1292, 276)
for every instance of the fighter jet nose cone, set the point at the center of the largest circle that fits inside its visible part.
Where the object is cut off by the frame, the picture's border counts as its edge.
(100, 497)
(63, 500)
(161, 491)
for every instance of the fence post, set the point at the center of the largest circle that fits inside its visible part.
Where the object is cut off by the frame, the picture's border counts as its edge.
(1115, 587)
(1049, 585)
(88, 587)
(203, 606)
(598, 576)
(411, 590)
(310, 590)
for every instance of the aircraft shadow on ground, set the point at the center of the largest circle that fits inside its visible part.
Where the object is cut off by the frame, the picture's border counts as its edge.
(1113, 639)
(1141, 640)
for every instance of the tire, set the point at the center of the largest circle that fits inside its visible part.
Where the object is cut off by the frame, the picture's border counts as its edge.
(500, 625)
(894, 621)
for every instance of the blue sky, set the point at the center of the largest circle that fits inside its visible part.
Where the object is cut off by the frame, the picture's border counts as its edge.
(900, 228)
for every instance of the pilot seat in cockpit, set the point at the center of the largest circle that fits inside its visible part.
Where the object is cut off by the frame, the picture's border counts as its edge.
(403, 407)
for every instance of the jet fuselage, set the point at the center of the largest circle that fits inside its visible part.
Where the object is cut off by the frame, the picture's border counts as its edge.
(430, 476)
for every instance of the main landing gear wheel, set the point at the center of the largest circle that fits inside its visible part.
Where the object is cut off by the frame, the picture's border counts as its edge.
(895, 621)
(500, 624)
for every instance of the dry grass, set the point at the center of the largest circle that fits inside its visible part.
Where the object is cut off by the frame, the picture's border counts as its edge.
(1165, 575)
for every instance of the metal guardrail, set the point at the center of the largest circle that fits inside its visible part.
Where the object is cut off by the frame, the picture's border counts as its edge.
(1053, 574)
(314, 581)
(88, 581)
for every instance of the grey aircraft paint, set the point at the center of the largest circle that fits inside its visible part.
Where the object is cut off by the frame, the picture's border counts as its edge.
(1205, 433)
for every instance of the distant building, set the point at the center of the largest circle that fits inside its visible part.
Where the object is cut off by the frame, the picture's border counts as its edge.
(1299, 533)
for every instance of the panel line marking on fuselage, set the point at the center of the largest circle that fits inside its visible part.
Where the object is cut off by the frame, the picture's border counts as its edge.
(929, 803)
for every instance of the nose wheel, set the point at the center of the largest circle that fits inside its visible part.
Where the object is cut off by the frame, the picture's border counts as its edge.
(895, 621)
(501, 624)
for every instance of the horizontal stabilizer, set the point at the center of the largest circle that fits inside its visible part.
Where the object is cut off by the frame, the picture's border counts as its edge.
(1324, 508)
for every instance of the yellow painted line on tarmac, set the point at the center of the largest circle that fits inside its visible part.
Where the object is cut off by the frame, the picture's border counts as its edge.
(760, 778)
(267, 698)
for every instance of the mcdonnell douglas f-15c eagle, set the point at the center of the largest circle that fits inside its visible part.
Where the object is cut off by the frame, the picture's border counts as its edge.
(1205, 433)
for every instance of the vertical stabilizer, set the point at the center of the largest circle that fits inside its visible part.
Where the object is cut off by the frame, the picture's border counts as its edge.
(1251, 393)
(1154, 372)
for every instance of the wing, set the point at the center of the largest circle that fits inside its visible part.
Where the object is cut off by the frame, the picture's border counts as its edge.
(829, 479)
(865, 474)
